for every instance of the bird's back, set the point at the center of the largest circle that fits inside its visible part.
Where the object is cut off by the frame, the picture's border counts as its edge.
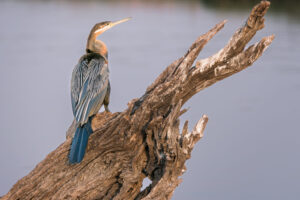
(88, 86)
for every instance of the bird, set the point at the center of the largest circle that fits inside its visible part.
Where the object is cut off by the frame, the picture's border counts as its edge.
(90, 88)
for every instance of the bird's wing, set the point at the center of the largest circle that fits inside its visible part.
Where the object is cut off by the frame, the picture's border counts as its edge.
(78, 77)
(92, 83)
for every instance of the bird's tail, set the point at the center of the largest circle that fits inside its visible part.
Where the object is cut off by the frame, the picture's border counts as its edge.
(79, 142)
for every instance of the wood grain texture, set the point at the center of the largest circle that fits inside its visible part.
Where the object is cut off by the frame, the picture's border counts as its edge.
(144, 140)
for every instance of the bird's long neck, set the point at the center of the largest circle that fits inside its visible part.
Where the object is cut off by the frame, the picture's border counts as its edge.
(96, 46)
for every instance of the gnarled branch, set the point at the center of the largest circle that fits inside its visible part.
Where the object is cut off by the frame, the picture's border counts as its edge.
(144, 140)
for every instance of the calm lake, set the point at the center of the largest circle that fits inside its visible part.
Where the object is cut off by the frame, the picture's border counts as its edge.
(251, 146)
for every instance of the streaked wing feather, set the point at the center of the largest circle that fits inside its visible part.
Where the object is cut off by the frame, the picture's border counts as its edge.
(92, 91)
(78, 76)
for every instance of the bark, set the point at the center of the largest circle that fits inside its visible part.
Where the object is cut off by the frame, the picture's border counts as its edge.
(144, 140)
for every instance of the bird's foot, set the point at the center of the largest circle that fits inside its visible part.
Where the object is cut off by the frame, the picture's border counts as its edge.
(106, 108)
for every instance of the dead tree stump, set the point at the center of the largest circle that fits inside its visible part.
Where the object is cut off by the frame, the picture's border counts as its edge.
(144, 140)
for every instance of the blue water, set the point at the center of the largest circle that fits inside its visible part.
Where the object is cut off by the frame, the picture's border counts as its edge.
(251, 145)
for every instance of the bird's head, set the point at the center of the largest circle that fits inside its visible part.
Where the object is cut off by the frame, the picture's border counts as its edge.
(99, 28)
(96, 45)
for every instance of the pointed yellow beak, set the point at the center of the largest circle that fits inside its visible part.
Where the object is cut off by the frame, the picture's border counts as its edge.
(110, 25)
(120, 21)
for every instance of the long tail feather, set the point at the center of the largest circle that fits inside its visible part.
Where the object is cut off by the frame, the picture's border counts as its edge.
(79, 143)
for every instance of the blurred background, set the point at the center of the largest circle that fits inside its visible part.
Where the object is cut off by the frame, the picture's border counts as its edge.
(251, 146)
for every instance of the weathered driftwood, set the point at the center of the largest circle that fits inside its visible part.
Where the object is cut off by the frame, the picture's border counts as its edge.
(144, 140)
